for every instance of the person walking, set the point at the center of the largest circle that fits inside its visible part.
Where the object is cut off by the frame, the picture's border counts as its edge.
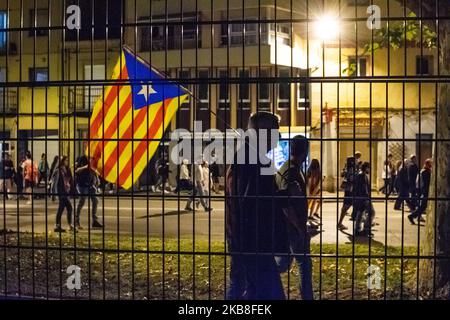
(6, 175)
(162, 169)
(64, 185)
(30, 175)
(184, 181)
(348, 174)
(207, 180)
(199, 186)
(314, 179)
(86, 181)
(393, 188)
(423, 182)
(291, 182)
(252, 219)
(52, 183)
(215, 175)
(387, 176)
(43, 170)
(413, 172)
(402, 185)
(19, 181)
(365, 213)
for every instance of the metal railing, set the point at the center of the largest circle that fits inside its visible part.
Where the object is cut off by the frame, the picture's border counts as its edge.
(357, 203)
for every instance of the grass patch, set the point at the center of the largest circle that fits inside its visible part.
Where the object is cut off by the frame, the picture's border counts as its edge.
(124, 267)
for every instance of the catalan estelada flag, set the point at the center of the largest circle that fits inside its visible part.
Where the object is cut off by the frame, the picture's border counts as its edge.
(129, 119)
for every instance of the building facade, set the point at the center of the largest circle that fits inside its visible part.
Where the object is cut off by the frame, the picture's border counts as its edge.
(235, 57)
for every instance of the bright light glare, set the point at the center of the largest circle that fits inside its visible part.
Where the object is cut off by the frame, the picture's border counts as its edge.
(327, 28)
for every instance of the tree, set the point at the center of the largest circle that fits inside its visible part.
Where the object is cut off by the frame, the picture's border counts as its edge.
(434, 274)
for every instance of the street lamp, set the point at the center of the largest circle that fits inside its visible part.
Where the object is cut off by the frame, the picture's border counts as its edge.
(327, 28)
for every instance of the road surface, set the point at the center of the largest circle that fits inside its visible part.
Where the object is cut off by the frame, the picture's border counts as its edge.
(160, 217)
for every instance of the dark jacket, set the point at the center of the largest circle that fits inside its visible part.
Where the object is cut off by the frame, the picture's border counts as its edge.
(361, 189)
(424, 182)
(402, 179)
(291, 182)
(253, 219)
(413, 171)
(348, 174)
(6, 169)
(85, 177)
(63, 180)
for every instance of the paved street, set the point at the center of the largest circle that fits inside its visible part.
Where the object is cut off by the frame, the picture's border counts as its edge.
(166, 218)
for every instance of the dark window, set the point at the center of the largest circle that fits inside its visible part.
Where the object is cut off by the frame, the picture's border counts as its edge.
(203, 86)
(185, 74)
(224, 88)
(38, 19)
(424, 65)
(3, 25)
(38, 74)
(158, 37)
(358, 2)
(284, 88)
(104, 11)
(264, 90)
(244, 87)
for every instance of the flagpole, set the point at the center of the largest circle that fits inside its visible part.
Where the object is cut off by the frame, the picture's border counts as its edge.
(163, 74)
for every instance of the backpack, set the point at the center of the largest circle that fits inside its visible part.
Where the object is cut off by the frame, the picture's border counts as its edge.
(30, 171)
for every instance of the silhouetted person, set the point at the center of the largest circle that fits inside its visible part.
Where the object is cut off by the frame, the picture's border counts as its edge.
(348, 175)
(424, 187)
(252, 219)
(413, 172)
(86, 182)
(292, 184)
(51, 177)
(402, 184)
(365, 213)
(6, 175)
(43, 170)
(64, 185)
(387, 176)
(30, 175)
(215, 175)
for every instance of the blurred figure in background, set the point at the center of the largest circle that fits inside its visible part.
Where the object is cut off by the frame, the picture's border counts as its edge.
(86, 185)
(314, 178)
(365, 213)
(215, 175)
(413, 172)
(6, 175)
(423, 182)
(402, 185)
(64, 186)
(184, 180)
(30, 175)
(199, 187)
(43, 170)
(18, 180)
(387, 176)
(348, 174)
(207, 181)
(52, 183)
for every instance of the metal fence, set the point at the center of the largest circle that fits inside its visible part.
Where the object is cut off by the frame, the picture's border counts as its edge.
(364, 82)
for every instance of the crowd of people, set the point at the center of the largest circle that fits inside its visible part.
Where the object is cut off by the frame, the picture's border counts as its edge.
(62, 184)
(269, 219)
(403, 178)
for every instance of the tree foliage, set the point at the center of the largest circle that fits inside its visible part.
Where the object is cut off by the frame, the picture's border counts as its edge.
(396, 35)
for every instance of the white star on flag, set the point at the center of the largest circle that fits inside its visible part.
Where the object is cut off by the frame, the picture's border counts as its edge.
(146, 91)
